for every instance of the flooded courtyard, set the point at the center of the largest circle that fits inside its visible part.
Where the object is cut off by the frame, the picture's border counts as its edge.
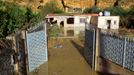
(67, 60)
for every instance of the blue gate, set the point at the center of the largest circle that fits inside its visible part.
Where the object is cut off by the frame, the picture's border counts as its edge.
(37, 46)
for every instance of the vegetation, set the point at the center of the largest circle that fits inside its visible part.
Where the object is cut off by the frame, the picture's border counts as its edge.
(54, 31)
(14, 17)
(51, 7)
(126, 16)
(93, 9)
(11, 18)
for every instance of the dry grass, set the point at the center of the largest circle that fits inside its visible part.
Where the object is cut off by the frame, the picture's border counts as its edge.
(126, 32)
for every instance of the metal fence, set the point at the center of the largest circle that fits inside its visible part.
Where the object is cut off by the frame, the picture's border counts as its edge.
(37, 46)
(113, 47)
(89, 45)
(118, 49)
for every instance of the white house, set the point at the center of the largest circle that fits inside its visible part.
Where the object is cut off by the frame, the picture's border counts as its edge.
(72, 24)
(105, 22)
(108, 22)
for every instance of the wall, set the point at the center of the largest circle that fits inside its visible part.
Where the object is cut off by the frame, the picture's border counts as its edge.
(115, 52)
(102, 22)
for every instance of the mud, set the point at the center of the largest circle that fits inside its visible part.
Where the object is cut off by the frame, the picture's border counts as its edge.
(65, 61)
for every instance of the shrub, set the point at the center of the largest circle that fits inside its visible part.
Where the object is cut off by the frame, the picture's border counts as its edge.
(51, 7)
(92, 10)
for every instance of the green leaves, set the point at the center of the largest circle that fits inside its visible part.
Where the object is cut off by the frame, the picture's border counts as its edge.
(93, 9)
(51, 7)
(13, 18)
(117, 11)
(54, 31)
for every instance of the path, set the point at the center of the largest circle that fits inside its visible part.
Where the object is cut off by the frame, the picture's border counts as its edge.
(67, 61)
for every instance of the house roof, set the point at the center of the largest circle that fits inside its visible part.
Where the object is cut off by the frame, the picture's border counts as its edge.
(52, 15)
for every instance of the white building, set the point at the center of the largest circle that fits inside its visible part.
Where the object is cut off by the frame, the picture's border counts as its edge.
(108, 22)
(72, 24)
(105, 22)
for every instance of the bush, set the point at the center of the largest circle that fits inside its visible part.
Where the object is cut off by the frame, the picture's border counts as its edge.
(117, 11)
(92, 10)
(11, 18)
(50, 8)
(131, 11)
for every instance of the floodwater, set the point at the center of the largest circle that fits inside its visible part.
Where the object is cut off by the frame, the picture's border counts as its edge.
(65, 61)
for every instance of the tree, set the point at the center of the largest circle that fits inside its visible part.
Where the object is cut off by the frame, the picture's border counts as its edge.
(11, 18)
(54, 32)
(131, 17)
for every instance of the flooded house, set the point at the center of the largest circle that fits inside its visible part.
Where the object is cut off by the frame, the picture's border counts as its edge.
(72, 25)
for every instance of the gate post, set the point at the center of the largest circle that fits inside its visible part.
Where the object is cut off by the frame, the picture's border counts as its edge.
(124, 53)
(14, 47)
(97, 50)
(94, 45)
(23, 33)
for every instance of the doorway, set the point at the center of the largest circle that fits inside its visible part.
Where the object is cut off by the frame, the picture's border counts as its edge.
(109, 24)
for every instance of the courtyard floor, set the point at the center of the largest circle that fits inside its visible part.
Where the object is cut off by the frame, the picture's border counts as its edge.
(67, 60)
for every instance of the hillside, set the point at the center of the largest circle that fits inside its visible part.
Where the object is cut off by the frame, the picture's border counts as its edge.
(34, 4)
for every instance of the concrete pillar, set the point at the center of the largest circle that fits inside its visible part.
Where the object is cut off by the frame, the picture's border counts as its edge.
(14, 47)
(23, 33)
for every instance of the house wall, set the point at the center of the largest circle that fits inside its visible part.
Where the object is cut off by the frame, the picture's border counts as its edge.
(78, 26)
(102, 22)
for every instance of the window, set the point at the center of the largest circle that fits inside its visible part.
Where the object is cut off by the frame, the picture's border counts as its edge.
(114, 22)
(70, 21)
(51, 19)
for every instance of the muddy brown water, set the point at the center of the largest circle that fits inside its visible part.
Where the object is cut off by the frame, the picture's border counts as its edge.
(65, 61)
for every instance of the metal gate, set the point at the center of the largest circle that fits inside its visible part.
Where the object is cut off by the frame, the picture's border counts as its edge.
(118, 49)
(37, 46)
(89, 53)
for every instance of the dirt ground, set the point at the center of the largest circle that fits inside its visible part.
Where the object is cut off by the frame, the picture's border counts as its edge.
(67, 60)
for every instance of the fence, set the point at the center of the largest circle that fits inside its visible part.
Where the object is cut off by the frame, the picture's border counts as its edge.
(24, 52)
(116, 48)
(89, 51)
(5, 57)
(37, 46)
